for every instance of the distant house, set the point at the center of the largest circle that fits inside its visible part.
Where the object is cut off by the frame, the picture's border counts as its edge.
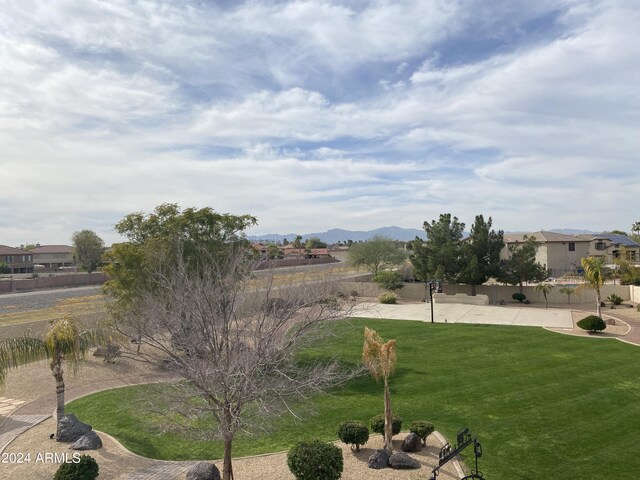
(261, 250)
(609, 246)
(559, 253)
(54, 256)
(293, 252)
(16, 260)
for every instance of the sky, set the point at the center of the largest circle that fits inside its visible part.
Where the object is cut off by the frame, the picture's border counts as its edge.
(316, 114)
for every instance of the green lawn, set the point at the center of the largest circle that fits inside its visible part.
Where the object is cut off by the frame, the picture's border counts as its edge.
(543, 405)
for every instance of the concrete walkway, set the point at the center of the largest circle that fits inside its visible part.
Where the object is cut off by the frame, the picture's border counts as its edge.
(477, 314)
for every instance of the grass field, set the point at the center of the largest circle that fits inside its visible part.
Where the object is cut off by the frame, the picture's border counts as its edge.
(543, 405)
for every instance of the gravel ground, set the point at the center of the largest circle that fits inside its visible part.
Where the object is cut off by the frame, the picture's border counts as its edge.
(25, 301)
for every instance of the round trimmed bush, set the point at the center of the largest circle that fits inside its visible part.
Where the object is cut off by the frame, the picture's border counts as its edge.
(520, 297)
(422, 428)
(315, 460)
(377, 424)
(592, 323)
(85, 469)
(388, 298)
(353, 433)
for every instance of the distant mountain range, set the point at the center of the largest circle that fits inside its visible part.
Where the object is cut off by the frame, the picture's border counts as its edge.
(336, 235)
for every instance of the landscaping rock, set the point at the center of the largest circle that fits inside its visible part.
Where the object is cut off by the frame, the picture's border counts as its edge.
(610, 321)
(71, 429)
(402, 461)
(89, 441)
(203, 471)
(411, 443)
(379, 460)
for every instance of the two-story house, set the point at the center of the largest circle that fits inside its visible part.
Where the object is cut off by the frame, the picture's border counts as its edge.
(16, 260)
(610, 245)
(558, 253)
(54, 256)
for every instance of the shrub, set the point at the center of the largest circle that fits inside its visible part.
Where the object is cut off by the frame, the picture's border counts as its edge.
(615, 299)
(315, 460)
(354, 293)
(592, 323)
(422, 428)
(85, 469)
(521, 297)
(389, 280)
(354, 433)
(108, 353)
(377, 424)
(388, 298)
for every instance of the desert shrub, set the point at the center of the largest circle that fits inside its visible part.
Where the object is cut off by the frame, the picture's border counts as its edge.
(315, 460)
(377, 424)
(354, 293)
(389, 280)
(521, 297)
(615, 299)
(592, 323)
(353, 433)
(108, 353)
(422, 428)
(85, 469)
(388, 298)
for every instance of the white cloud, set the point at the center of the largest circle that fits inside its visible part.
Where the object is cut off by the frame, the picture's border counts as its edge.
(318, 114)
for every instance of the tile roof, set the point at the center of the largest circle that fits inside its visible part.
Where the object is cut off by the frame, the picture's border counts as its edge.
(53, 249)
(5, 250)
(543, 237)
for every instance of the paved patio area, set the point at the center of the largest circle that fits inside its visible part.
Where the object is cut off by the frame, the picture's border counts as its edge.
(460, 313)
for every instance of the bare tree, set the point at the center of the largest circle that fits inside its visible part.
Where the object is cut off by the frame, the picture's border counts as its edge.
(234, 340)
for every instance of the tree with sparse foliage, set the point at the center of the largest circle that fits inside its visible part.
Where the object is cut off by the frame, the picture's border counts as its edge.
(63, 341)
(594, 276)
(197, 315)
(376, 254)
(380, 358)
(442, 251)
(89, 249)
(521, 266)
(629, 273)
(481, 254)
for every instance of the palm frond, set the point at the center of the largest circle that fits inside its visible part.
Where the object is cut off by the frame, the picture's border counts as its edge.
(18, 351)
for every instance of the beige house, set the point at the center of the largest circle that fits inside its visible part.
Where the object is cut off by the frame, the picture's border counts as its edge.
(16, 260)
(610, 245)
(54, 256)
(559, 253)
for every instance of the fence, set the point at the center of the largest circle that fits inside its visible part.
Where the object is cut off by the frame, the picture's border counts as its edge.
(9, 285)
(498, 293)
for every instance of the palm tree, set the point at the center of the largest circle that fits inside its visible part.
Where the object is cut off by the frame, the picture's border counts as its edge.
(594, 276)
(545, 288)
(380, 359)
(62, 341)
(636, 228)
(568, 291)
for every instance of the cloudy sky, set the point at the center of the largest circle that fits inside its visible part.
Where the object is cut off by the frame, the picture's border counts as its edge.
(317, 114)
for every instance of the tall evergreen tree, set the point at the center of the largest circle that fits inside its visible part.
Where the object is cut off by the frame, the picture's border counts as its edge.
(441, 252)
(522, 265)
(481, 254)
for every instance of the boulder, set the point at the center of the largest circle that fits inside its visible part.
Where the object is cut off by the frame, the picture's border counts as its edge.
(411, 443)
(402, 461)
(71, 429)
(203, 471)
(379, 460)
(89, 441)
